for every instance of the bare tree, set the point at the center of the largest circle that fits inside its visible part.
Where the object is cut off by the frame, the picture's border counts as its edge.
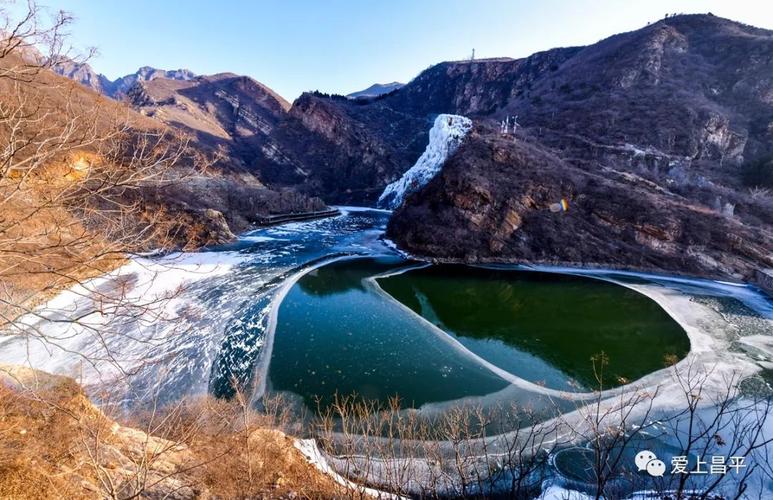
(717, 420)
(80, 179)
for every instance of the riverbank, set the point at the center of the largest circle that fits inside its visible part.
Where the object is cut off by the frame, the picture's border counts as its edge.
(178, 351)
(716, 358)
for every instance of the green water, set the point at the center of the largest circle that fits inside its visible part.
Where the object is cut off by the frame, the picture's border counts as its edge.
(544, 327)
(334, 335)
(337, 333)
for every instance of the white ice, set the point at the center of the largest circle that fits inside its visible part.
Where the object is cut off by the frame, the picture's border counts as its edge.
(444, 138)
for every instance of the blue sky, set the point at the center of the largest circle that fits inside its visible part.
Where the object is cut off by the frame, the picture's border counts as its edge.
(342, 46)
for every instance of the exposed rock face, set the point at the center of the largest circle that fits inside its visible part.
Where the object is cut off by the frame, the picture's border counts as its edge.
(673, 109)
(686, 90)
(342, 149)
(683, 101)
(647, 132)
(122, 85)
(225, 113)
(474, 88)
(84, 74)
(212, 209)
(491, 203)
(224, 110)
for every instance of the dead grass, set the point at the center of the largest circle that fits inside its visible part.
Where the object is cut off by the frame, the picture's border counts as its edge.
(55, 444)
(39, 441)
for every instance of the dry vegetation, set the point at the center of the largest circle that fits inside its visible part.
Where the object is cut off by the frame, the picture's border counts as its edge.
(79, 173)
(466, 452)
(75, 173)
(80, 178)
(56, 444)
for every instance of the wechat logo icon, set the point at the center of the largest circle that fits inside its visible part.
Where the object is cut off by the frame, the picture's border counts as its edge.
(647, 461)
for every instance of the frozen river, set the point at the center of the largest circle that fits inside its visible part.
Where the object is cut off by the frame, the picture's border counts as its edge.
(311, 309)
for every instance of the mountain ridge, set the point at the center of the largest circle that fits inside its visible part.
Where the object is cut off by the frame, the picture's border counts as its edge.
(83, 73)
(680, 105)
(376, 90)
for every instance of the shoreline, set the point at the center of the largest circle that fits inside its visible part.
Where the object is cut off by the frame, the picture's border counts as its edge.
(708, 344)
(710, 351)
(588, 266)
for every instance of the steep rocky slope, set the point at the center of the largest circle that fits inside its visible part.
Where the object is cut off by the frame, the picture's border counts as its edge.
(343, 150)
(649, 133)
(492, 202)
(686, 97)
(681, 106)
(221, 111)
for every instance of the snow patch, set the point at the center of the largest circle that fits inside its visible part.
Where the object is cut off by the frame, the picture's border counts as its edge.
(554, 492)
(309, 449)
(444, 138)
(113, 324)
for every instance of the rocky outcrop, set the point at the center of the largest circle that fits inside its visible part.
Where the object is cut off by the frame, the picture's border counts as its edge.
(211, 210)
(57, 444)
(645, 133)
(225, 110)
(84, 74)
(343, 150)
(491, 202)
(446, 135)
(679, 89)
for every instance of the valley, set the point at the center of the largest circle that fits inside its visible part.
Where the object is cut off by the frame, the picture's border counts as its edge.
(505, 278)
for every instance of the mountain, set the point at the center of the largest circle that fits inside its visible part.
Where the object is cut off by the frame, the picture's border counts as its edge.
(376, 90)
(646, 134)
(665, 119)
(208, 207)
(122, 85)
(343, 148)
(84, 74)
(670, 115)
(225, 110)
(498, 199)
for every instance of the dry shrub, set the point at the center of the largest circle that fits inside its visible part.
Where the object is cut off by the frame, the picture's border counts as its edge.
(40, 439)
(239, 452)
(55, 444)
(460, 452)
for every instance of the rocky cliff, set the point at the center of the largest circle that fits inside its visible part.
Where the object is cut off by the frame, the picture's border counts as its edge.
(494, 201)
(681, 107)
(646, 133)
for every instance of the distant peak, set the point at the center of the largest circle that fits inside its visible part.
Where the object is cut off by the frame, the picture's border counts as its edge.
(376, 90)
